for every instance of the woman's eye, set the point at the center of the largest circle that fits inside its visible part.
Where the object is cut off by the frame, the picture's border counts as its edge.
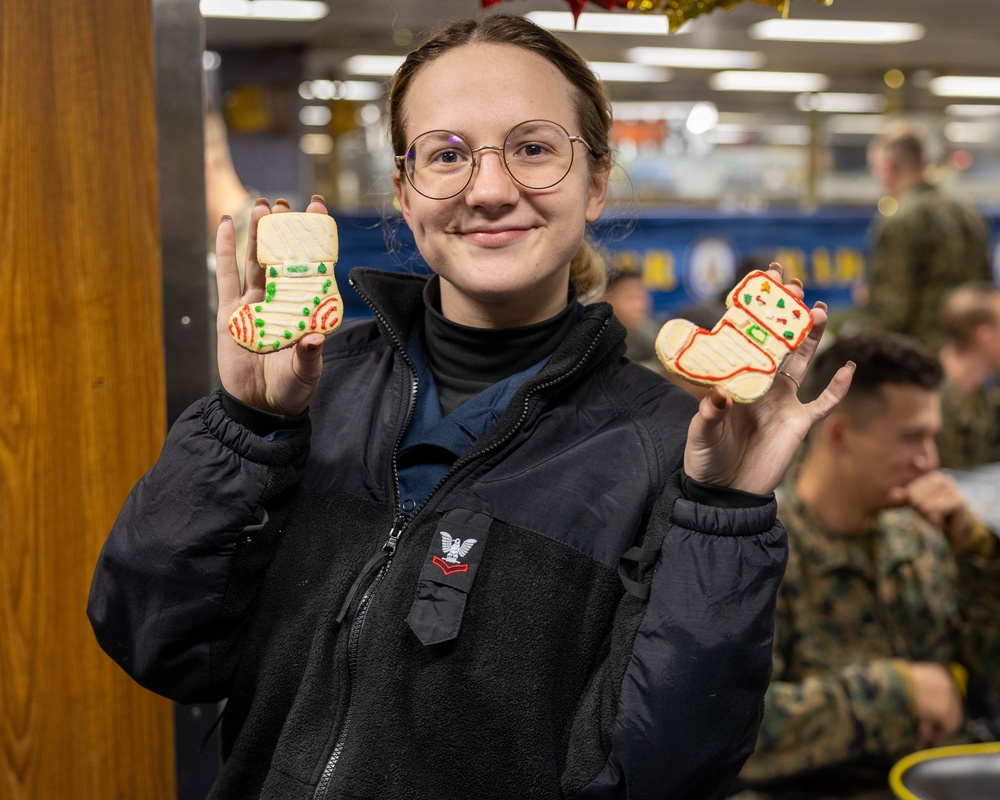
(448, 158)
(532, 150)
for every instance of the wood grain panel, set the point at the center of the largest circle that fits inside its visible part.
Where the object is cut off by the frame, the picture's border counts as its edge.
(81, 387)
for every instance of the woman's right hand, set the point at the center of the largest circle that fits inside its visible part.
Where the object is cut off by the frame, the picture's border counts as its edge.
(281, 382)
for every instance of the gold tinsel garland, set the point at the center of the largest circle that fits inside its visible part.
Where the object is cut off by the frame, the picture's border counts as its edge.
(677, 11)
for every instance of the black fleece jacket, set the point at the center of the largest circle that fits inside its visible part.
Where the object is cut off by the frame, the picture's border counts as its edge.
(604, 636)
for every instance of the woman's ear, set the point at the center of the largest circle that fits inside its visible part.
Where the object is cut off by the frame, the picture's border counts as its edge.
(598, 193)
(400, 200)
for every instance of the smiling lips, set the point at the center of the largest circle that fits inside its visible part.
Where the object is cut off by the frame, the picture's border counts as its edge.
(493, 237)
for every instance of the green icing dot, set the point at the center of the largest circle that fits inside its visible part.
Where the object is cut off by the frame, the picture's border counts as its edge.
(273, 272)
(747, 298)
(259, 323)
(258, 308)
(326, 286)
(781, 302)
(305, 311)
(321, 269)
(277, 344)
(302, 326)
(788, 335)
(287, 334)
(260, 345)
(315, 301)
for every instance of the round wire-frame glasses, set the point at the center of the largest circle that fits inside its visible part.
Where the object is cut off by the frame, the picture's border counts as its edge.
(537, 154)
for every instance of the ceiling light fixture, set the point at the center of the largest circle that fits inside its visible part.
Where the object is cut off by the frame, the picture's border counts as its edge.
(970, 110)
(372, 65)
(749, 81)
(841, 102)
(601, 23)
(695, 58)
(626, 72)
(274, 10)
(965, 86)
(836, 31)
(340, 90)
(970, 132)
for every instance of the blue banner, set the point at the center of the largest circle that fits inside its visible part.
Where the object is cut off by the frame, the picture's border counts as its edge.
(684, 256)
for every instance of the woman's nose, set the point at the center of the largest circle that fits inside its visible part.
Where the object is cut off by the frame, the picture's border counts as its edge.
(491, 183)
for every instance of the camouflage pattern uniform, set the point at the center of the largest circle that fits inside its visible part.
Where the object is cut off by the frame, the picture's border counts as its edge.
(851, 612)
(970, 435)
(930, 245)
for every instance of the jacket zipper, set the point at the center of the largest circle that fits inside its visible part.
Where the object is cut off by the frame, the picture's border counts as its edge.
(381, 562)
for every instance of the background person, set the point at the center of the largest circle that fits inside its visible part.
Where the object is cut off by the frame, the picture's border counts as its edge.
(932, 243)
(633, 305)
(970, 396)
(890, 580)
(286, 550)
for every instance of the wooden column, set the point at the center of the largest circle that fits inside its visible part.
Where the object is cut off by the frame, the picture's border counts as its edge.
(82, 399)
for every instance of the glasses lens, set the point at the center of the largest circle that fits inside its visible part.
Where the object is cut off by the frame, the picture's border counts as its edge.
(439, 164)
(538, 154)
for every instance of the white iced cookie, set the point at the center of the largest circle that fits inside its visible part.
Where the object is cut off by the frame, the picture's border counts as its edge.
(742, 353)
(298, 251)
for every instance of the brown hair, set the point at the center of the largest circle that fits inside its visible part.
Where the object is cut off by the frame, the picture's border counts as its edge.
(881, 358)
(966, 309)
(591, 101)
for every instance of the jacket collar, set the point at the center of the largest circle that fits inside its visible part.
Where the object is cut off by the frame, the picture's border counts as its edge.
(397, 302)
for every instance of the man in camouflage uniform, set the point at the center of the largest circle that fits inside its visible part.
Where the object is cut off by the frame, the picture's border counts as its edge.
(891, 585)
(931, 243)
(970, 397)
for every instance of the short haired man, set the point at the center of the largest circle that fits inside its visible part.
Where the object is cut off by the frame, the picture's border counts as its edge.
(931, 243)
(970, 397)
(890, 580)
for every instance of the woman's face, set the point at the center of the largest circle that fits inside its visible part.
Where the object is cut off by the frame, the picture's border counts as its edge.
(502, 251)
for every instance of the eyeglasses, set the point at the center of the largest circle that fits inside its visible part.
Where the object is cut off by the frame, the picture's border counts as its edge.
(537, 154)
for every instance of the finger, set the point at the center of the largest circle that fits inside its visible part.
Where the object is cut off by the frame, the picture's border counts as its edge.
(713, 410)
(317, 205)
(307, 357)
(835, 391)
(798, 361)
(254, 277)
(227, 272)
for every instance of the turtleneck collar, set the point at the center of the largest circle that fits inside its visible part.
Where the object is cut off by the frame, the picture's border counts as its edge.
(465, 360)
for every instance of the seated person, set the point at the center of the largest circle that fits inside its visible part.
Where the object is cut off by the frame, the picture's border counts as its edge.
(633, 306)
(891, 584)
(970, 396)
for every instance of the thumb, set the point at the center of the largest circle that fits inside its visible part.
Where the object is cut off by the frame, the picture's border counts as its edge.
(715, 406)
(713, 410)
(307, 357)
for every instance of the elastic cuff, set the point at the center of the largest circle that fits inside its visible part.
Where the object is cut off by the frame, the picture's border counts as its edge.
(721, 496)
(261, 423)
(903, 670)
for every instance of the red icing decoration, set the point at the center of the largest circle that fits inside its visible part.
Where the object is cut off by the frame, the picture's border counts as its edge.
(241, 327)
(326, 316)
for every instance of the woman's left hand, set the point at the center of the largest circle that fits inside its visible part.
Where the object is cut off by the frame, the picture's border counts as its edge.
(749, 446)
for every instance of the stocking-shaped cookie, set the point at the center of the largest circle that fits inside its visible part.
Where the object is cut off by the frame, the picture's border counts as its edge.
(764, 323)
(298, 251)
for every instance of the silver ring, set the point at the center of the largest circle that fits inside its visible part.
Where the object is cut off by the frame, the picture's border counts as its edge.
(782, 372)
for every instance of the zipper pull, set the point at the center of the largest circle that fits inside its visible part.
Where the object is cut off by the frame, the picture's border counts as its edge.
(374, 564)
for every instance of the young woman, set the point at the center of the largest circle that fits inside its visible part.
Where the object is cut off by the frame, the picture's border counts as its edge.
(466, 550)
